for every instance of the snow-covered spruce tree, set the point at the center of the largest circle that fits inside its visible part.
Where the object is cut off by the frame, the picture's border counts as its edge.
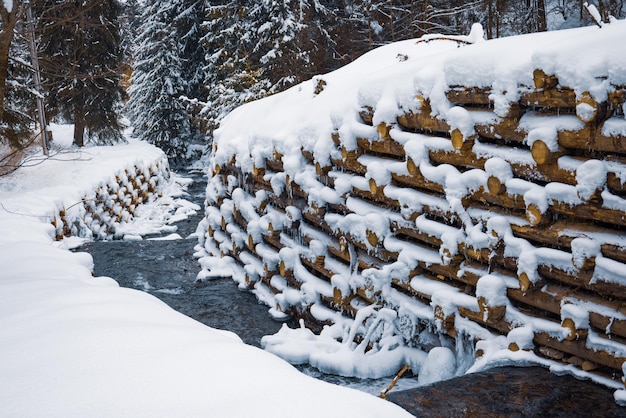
(10, 14)
(232, 76)
(20, 95)
(188, 26)
(279, 46)
(82, 64)
(158, 116)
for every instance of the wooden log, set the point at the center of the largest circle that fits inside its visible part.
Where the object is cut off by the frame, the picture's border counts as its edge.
(555, 98)
(349, 161)
(340, 299)
(608, 324)
(460, 142)
(372, 238)
(416, 179)
(284, 270)
(526, 284)
(588, 366)
(423, 121)
(546, 297)
(383, 131)
(494, 313)
(500, 198)
(546, 173)
(275, 163)
(378, 199)
(308, 155)
(318, 266)
(582, 278)
(591, 213)
(607, 143)
(544, 81)
(495, 186)
(367, 115)
(462, 95)
(386, 146)
(561, 232)
(415, 234)
(542, 154)
(239, 218)
(588, 110)
(250, 281)
(551, 353)
(536, 217)
(579, 349)
(322, 170)
(574, 333)
(617, 98)
(446, 321)
(496, 322)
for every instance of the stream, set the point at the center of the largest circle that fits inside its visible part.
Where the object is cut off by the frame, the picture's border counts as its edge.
(167, 270)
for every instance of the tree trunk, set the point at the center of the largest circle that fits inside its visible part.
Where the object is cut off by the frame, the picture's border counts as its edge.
(542, 23)
(79, 126)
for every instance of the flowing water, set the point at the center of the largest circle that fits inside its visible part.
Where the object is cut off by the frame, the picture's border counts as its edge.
(167, 270)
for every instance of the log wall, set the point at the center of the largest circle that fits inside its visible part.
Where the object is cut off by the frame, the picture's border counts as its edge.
(513, 226)
(99, 213)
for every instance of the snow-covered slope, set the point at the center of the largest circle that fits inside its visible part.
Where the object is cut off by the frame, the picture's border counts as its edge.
(444, 191)
(73, 345)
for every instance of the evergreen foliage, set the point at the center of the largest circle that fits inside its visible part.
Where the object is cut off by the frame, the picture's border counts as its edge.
(20, 108)
(81, 62)
(231, 74)
(157, 82)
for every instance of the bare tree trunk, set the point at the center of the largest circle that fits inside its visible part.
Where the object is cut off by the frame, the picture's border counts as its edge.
(542, 24)
(79, 126)
(490, 20)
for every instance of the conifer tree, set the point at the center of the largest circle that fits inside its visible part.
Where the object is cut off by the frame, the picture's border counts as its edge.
(10, 13)
(19, 109)
(81, 63)
(279, 47)
(188, 26)
(157, 114)
(232, 76)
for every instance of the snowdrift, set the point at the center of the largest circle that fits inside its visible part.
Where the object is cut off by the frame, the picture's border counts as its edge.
(441, 192)
(73, 345)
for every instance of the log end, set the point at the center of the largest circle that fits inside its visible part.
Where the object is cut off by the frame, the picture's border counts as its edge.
(544, 81)
(541, 153)
(495, 186)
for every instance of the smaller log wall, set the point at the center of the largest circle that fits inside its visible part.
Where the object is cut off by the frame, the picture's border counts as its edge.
(512, 226)
(99, 213)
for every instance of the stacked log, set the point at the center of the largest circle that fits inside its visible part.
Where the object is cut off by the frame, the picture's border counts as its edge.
(98, 215)
(516, 225)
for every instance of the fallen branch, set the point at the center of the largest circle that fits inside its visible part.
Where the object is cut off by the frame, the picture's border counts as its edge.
(384, 393)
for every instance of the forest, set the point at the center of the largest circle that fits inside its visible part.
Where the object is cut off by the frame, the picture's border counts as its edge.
(172, 69)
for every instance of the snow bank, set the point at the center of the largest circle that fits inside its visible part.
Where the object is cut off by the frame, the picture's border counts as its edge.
(74, 345)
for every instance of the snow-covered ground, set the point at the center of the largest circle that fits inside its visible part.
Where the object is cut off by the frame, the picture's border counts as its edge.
(74, 345)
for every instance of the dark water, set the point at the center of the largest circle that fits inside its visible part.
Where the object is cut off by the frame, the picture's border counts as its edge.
(167, 270)
(510, 392)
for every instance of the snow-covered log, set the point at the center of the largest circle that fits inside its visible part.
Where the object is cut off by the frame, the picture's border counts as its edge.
(476, 189)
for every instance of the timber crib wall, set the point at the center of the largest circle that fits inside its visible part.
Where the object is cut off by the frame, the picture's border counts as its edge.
(510, 225)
